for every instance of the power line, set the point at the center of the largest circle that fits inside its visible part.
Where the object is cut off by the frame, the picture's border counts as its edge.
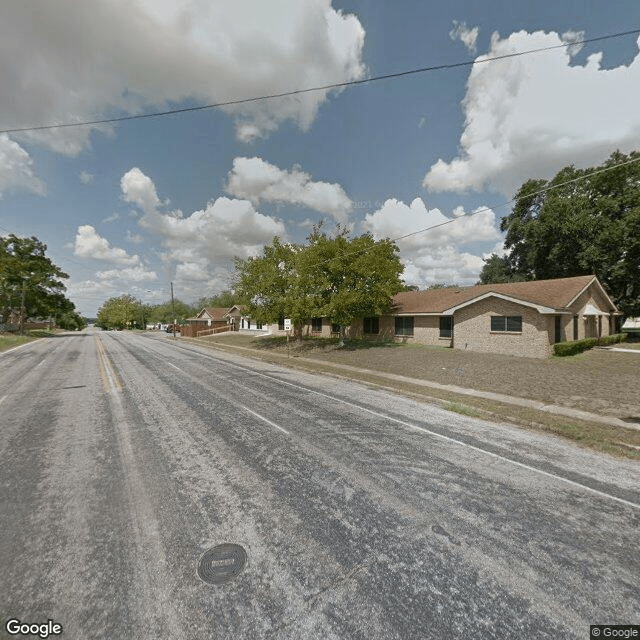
(487, 209)
(326, 87)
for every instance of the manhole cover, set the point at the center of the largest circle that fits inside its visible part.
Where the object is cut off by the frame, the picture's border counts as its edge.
(222, 563)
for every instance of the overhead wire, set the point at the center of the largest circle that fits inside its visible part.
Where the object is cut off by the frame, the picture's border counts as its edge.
(325, 87)
(487, 209)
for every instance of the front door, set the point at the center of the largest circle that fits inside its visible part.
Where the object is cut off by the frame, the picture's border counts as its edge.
(558, 332)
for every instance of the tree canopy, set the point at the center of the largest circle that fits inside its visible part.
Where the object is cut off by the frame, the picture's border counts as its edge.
(334, 277)
(30, 283)
(122, 312)
(582, 222)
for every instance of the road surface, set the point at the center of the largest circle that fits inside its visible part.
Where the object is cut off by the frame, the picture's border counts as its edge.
(363, 514)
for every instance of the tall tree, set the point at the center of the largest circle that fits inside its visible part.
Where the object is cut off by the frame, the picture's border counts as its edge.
(582, 222)
(334, 277)
(120, 312)
(30, 283)
(496, 269)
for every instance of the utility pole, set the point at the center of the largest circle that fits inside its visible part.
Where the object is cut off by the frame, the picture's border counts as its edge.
(173, 309)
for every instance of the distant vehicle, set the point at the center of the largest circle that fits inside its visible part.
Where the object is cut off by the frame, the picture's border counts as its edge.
(169, 328)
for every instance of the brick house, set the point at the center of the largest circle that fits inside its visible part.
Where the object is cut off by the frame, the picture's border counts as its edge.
(209, 317)
(517, 318)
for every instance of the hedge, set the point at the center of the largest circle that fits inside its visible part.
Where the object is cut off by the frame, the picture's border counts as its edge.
(578, 346)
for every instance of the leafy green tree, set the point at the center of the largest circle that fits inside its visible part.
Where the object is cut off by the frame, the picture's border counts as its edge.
(496, 269)
(336, 277)
(30, 284)
(167, 312)
(71, 321)
(120, 313)
(225, 299)
(586, 221)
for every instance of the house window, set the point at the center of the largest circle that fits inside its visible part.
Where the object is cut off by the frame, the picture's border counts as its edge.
(258, 325)
(446, 326)
(575, 327)
(248, 323)
(242, 323)
(404, 326)
(506, 323)
(316, 325)
(281, 323)
(335, 328)
(371, 325)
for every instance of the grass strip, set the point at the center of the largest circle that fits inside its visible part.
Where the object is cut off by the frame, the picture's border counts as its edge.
(610, 439)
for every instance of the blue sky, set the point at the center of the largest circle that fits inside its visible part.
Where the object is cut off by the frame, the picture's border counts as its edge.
(133, 206)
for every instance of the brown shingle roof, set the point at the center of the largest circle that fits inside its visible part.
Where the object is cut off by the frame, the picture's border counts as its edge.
(557, 293)
(216, 313)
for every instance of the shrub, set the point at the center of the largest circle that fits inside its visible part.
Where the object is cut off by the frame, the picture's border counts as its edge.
(573, 347)
(578, 346)
(618, 337)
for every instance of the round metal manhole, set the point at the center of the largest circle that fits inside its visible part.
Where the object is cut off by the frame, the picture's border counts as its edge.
(222, 563)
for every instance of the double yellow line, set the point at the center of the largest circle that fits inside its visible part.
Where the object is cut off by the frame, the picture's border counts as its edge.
(110, 379)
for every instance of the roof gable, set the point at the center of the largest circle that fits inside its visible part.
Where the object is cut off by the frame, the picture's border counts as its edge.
(212, 313)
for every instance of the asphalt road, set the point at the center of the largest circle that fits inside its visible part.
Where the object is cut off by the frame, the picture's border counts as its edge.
(363, 514)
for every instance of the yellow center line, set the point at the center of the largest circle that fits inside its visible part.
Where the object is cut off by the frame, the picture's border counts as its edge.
(110, 379)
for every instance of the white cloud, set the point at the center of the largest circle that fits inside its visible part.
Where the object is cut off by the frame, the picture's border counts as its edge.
(135, 238)
(139, 189)
(112, 218)
(81, 60)
(529, 116)
(86, 177)
(137, 273)
(434, 255)
(16, 168)
(467, 36)
(572, 36)
(255, 179)
(89, 244)
(201, 246)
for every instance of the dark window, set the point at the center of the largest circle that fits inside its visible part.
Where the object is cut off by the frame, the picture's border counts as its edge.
(446, 326)
(248, 323)
(404, 326)
(575, 327)
(506, 323)
(370, 325)
(242, 323)
(258, 325)
(281, 323)
(335, 328)
(316, 325)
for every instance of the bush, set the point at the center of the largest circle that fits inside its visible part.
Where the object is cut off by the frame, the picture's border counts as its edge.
(573, 347)
(618, 337)
(578, 346)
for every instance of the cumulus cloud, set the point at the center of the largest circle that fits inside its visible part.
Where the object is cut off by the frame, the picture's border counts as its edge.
(255, 179)
(529, 116)
(140, 190)
(201, 247)
(467, 36)
(434, 255)
(80, 60)
(89, 244)
(16, 169)
(86, 177)
(137, 273)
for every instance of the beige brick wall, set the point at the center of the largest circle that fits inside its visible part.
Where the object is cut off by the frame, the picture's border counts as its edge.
(426, 330)
(472, 329)
(589, 328)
